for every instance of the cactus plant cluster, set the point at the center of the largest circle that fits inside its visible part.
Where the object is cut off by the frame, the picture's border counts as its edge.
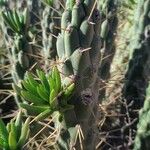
(79, 38)
(78, 48)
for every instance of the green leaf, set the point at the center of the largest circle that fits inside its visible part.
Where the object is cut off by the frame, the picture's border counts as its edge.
(43, 93)
(11, 18)
(133, 2)
(3, 144)
(18, 124)
(52, 84)
(8, 127)
(53, 99)
(24, 133)
(3, 3)
(28, 96)
(3, 131)
(21, 19)
(48, 2)
(44, 115)
(34, 110)
(43, 79)
(13, 129)
(69, 91)
(12, 141)
(53, 73)
(29, 87)
(8, 22)
(31, 80)
(56, 76)
(17, 21)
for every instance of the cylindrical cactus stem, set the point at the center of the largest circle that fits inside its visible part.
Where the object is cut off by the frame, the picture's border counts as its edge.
(50, 23)
(18, 45)
(143, 128)
(134, 89)
(17, 40)
(108, 9)
(138, 68)
(78, 46)
(35, 8)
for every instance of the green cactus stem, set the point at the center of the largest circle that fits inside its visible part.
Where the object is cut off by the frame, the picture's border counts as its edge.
(108, 9)
(78, 46)
(50, 23)
(138, 70)
(136, 83)
(17, 40)
(142, 138)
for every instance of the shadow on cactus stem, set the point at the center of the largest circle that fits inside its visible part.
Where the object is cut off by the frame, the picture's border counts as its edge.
(108, 10)
(138, 72)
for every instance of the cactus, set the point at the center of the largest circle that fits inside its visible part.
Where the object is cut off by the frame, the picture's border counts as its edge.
(17, 42)
(142, 51)
(108, 11)
(134, 89)
(34, 7)
(142, 138)
(49, 23)
(138, 71)
(78, 47)
(121, 56)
